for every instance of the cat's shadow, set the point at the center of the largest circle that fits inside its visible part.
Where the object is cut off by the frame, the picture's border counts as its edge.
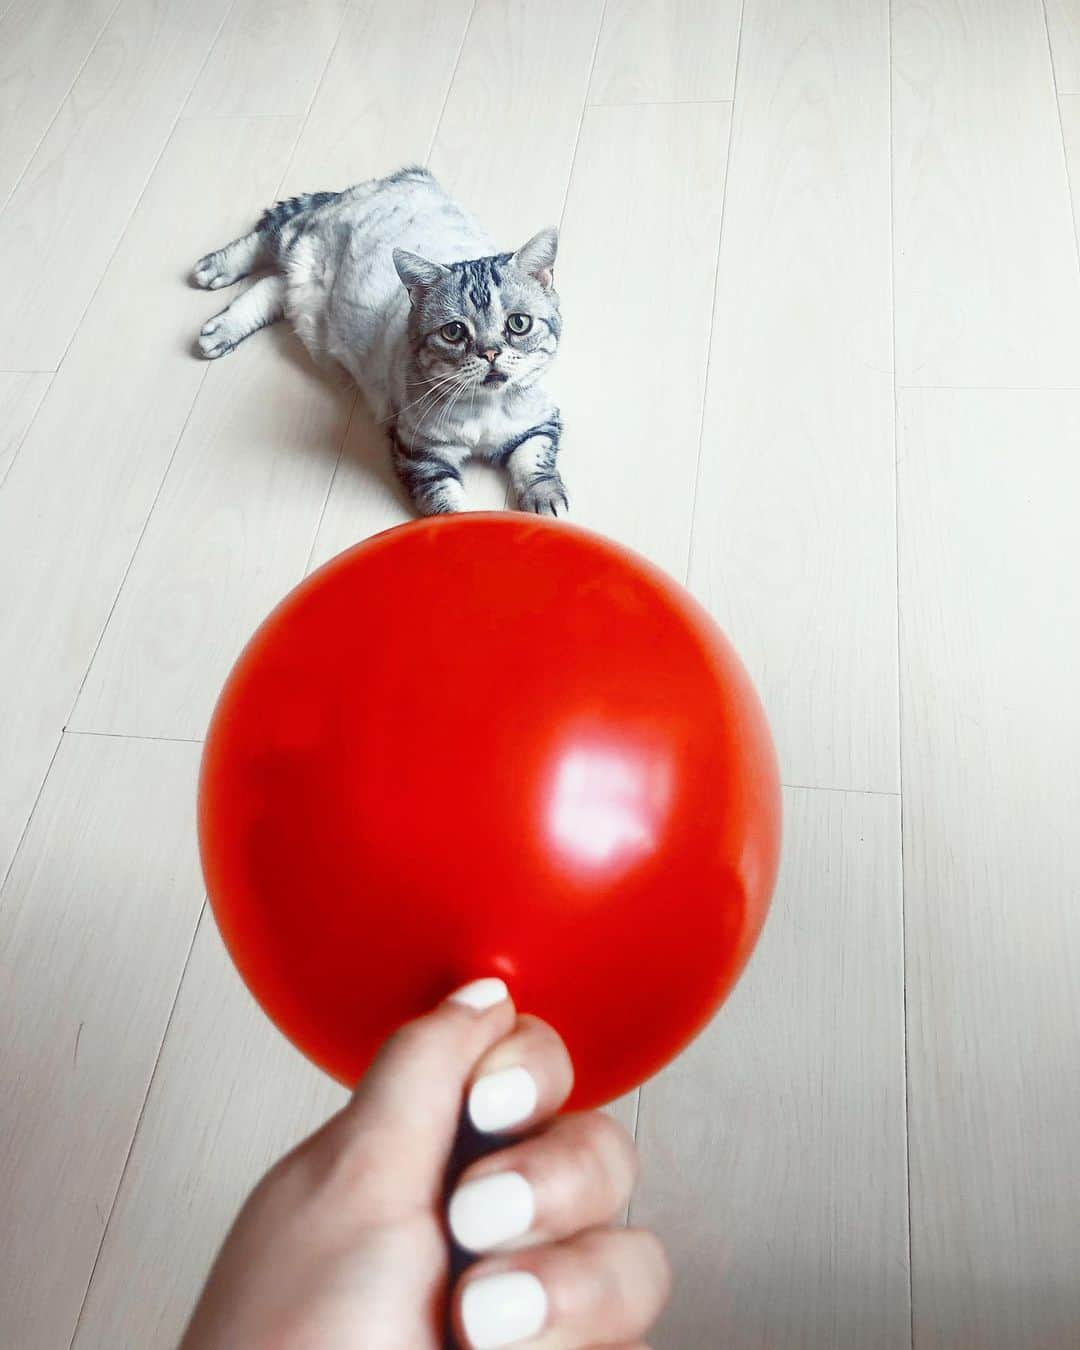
(364, 453)
(366, 446)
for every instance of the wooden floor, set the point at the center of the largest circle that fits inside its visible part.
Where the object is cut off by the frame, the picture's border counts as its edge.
(822, 362)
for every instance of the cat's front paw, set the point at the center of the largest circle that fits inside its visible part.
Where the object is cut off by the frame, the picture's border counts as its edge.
(544, 496)
(216, 339)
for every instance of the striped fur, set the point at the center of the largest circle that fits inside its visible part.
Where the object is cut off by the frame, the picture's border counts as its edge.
(394, 281)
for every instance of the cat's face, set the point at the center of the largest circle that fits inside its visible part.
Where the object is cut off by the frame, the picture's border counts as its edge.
(491, 324)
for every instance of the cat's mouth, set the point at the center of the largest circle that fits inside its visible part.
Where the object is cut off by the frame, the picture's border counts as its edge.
(494, 377)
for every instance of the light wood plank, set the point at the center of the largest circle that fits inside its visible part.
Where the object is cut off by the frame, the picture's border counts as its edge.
(636, 273)
(229, 536)
(525, 68)
(667, 51)
(268, 58)
(793, 545)
(79, 492)
(230, 1096)
(42, 48)
(96, 920)
(65, 218)
(20, 398)
(1070, 130)
(990, 641)
(773, 1150)
(1063, 20)
(360, 126)
(987, 284)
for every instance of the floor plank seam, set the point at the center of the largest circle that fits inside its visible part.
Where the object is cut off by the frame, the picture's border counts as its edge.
(450, 82)
(1061, 134)
(658, 102)
(715, 296)
(138, 542)
(26, 430)
(134, 736)
(29, 817)
(139, 1120)
(996, 388)
(899, 719)
(584, 110)
(239, 117)
(330, 485)
(146, 183)
(59, 105)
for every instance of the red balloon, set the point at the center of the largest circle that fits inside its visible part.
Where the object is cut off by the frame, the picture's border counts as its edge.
(490, 744)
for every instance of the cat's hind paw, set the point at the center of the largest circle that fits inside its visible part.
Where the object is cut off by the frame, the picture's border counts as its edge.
(215, 337)
(545, 496)
(210, 273)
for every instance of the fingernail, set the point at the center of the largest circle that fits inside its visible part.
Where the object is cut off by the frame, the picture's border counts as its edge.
(492, 1210)
(501, 1099)
(503, 1309)
(481, 994)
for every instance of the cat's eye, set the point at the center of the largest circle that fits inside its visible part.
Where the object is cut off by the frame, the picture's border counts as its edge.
(518, 323)
(453, 332)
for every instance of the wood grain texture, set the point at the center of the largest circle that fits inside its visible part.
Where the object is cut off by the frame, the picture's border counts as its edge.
(773, 1150)
(667, 51)
(79, 492)
(20, 398)
(229, 536)
(68, 213)
(987, 285)
(360, 126)
(230, 1097)
(793, 544)
(96, 920)
(990, 643)
(1063, 21)
(1069, 107)
(525, 69)
(42, 48)
(640, 236)
(268, 58)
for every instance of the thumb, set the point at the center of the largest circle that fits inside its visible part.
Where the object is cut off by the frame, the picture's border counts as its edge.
(409, 1102)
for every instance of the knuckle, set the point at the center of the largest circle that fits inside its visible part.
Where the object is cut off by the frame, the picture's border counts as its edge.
(655, 1259)
(415, 1040)
(605, 1153)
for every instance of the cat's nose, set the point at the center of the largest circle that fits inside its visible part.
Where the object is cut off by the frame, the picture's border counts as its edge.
(491, 354)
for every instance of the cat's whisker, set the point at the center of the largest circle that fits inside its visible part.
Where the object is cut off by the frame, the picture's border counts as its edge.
(439, 381)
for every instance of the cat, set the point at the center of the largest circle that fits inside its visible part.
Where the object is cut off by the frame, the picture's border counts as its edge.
(447, 338)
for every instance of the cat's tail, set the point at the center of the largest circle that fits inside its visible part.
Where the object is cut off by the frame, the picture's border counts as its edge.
(262, 245)
(275, 218)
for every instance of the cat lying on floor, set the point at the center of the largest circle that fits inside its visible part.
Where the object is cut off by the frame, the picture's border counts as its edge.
(448, 353)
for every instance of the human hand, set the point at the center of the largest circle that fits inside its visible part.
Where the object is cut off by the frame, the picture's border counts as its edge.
(343, 1245)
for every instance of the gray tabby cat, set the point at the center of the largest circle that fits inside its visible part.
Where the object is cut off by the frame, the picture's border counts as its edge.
(448, 353)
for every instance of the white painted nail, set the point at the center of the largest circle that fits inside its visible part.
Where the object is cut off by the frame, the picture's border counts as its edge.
(492, 1210)
(502, 1099)
(481, 994)
(503, 1309)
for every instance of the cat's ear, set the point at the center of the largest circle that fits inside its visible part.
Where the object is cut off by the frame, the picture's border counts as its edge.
(537, 258)
(416, 273)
